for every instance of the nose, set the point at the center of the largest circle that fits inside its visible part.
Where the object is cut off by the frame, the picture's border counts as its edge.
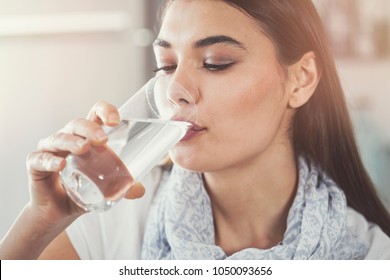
(174, 101)
(178, 94)
(186, 90)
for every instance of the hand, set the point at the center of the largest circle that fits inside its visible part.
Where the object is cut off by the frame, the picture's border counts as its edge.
(48, 196)
(50, 210)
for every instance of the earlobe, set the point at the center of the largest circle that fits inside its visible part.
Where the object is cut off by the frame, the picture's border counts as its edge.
(305, 79)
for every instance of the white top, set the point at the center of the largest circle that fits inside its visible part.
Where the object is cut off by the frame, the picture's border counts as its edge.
(372, 234)
(117, 234)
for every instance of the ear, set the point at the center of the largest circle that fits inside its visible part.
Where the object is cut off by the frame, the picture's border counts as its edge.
(303, 78)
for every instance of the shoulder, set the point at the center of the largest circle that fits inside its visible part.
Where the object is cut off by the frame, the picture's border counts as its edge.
(377, 241)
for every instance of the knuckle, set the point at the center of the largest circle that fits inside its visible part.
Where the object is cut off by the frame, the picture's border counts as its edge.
(99, 106)
(35, 160)
(100, 111)
(75, 122)
(104, 106)
(30, 157)
(60, 136)
(41, 144)
(73, 125)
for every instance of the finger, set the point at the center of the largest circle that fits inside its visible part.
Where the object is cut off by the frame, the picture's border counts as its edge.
(136, 191)
(104, 113)
(45, 162)
(64, 143)
(87, 129)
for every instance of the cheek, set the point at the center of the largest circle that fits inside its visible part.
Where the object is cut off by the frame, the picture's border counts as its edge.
(242, 121)
(247, 116)
(257, 114)
(258, 101)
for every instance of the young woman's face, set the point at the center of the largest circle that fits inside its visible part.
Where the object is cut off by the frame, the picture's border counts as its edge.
(230, 66)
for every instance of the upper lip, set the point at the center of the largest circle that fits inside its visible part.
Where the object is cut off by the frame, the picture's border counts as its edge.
(196, 127)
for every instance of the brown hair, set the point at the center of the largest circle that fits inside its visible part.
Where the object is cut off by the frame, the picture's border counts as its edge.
(322, 128)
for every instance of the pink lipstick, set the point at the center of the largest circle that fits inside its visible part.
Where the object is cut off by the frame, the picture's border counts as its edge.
(192, 132)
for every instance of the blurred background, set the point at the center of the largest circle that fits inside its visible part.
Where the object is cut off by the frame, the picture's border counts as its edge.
(57, 58)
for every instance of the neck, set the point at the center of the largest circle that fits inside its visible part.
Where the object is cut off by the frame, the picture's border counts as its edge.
(251, 201)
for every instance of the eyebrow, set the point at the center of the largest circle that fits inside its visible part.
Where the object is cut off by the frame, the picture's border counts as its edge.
(220, 39)
(208, 41)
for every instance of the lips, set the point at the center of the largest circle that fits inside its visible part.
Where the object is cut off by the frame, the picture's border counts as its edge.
(194, 131)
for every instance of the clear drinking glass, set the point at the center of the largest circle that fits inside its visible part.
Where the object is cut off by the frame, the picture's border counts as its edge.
(153, 120)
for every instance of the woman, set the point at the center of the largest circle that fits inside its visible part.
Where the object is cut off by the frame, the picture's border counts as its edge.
(273, 171)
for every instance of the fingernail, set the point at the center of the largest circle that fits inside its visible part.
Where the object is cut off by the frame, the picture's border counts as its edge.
(56, 162)
(113, 118)
(137, 191)
(138, 185)
(100, 135)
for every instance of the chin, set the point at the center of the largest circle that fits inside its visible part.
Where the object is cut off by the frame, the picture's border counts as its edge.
(189, 161)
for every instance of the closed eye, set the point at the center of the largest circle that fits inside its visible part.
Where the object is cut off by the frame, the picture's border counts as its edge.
(169, 69)
(217, 67)
(166, 69)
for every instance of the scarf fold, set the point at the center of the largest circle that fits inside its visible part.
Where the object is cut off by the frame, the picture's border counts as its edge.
(181, 226)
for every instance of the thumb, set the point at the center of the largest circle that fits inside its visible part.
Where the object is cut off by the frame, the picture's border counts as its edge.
(136, 191)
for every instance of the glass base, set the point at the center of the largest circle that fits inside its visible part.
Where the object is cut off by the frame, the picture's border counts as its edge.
(83, 191)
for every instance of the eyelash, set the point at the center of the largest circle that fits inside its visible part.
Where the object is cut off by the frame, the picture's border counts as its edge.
(166, 69)
(217, 67)
(210, 67)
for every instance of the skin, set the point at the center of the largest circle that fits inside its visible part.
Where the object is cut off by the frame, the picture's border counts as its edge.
(50, 210)
(228, 109)
(246, 111)
(246, 101)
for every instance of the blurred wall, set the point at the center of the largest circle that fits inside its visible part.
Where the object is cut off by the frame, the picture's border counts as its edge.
(57, 58)
(359, 33)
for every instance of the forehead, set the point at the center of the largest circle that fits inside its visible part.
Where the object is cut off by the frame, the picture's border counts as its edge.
(194, 19)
